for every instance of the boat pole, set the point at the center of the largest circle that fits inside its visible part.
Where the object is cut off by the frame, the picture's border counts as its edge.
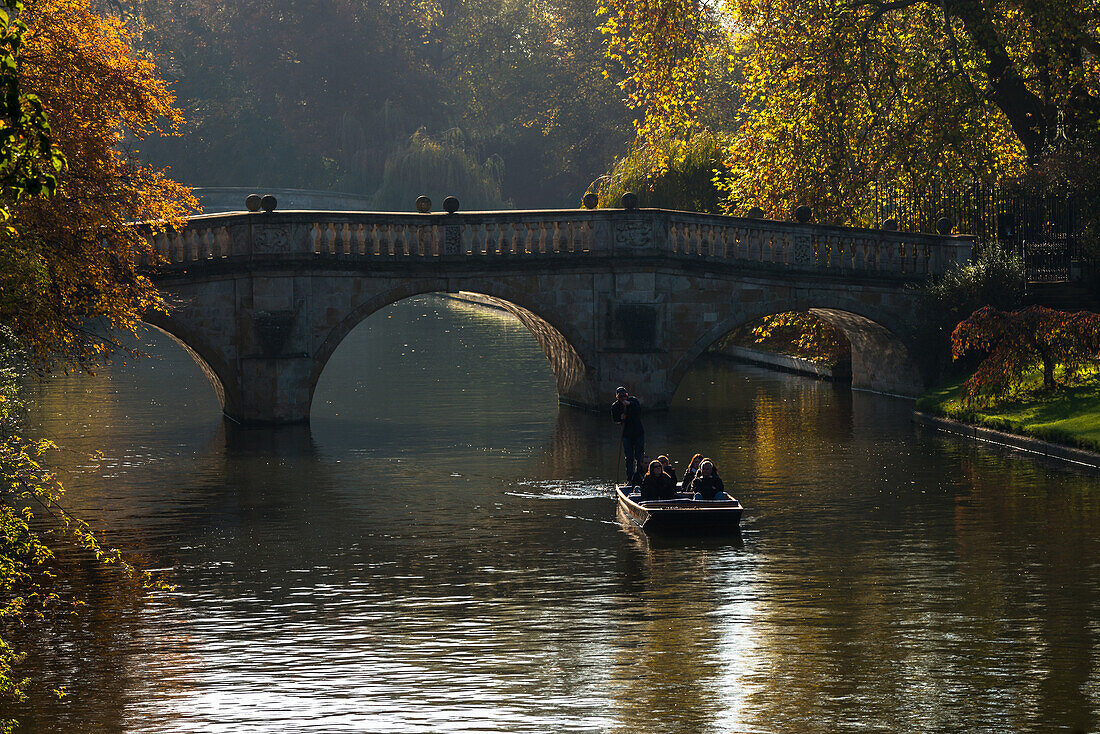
(619, 466)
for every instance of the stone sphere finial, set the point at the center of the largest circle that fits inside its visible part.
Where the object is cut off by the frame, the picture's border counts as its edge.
(629, 200)
(268, 203)
(943, 225)
(590, 200)
(890, 225)
(252, 202)
(803, 214)
(423, 204)
(755, 213)
(451, 204)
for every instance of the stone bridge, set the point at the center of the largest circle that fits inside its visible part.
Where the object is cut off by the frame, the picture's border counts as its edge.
(262, 300)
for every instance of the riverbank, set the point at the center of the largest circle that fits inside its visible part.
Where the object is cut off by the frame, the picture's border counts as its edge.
(1068, 417)
(783, 362)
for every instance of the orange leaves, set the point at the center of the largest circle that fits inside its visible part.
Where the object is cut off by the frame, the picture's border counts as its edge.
(76, 257)
(1017, 342)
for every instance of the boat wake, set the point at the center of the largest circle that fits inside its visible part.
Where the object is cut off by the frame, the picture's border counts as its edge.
(557, 489)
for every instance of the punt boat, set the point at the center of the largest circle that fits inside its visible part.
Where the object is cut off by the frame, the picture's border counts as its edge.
(683, 514)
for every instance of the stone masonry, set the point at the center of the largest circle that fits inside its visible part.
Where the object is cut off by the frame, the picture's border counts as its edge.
(612, 297)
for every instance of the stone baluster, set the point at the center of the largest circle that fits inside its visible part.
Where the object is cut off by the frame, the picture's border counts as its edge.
(400, 239)
(345, 239)
(538, 243)
(482, 236)
(385, 239)
(207, 249)
(531, 238)
(576, 236)
(492, 236)
(439, 234)
(781, 248)
(374, 239)
(192, 245)
(360, 245)
(223, 244)
(160, 244)
(315, 238)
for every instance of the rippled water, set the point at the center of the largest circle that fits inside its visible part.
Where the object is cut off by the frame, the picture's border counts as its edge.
(440, 553)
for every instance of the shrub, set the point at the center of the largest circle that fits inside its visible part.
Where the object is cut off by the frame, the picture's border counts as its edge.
(1015, 343)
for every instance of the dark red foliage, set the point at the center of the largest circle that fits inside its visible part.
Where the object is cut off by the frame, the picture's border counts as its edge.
(1016, 342)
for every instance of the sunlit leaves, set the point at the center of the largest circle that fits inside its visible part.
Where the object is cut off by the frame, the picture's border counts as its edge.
(73, 270)
(662, 45)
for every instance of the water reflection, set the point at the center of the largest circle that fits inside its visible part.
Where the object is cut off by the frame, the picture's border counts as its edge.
(440, 552)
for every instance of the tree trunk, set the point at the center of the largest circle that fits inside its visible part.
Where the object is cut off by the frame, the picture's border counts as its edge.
(1048, 368)
(1031, 119)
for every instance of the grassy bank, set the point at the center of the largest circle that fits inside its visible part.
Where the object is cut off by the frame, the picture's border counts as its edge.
(1069, 415)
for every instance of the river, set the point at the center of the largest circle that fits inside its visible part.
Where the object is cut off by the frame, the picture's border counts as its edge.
(440, 552)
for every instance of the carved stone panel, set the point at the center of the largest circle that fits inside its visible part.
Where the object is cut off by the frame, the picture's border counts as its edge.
(802, 251)
(633, 233)
(270, 240)
(452, 240)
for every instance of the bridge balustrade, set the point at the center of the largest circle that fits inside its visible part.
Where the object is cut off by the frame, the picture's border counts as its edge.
(559, 233)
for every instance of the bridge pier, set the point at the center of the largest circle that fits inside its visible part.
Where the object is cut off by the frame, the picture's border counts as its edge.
(272, 390)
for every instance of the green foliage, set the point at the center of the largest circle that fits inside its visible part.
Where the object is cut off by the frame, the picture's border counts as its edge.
(669, 173)
(1016, 343)
(29, 160)
(995, 277)
(439, 167)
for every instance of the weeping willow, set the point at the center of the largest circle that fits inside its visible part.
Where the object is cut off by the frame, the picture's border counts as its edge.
(438, 167)
(669, 173)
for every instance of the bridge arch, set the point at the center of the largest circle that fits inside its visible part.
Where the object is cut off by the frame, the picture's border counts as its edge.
(882, 360)
(572, 373)
(215, 369)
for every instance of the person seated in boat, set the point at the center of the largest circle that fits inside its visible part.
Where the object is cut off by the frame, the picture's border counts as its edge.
(708, 485)
(691, 471)
(656, 485)
(666, 465)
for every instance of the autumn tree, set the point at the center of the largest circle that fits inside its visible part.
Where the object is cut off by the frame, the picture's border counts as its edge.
(71, 271)
(1014, 343)
(840, 96)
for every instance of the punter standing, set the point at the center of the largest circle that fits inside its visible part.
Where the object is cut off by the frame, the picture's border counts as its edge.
(627, 412)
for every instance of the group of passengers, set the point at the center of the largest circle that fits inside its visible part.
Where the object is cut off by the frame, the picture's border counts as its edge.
(701, 480)
(656, 480)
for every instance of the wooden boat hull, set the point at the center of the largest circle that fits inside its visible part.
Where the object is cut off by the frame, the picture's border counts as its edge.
(683, 515)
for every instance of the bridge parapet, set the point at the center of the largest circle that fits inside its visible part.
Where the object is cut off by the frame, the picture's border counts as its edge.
(561, 233)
